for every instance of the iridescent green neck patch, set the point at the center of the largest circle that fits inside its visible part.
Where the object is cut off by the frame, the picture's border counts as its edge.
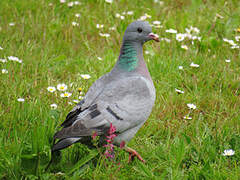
(128, 58)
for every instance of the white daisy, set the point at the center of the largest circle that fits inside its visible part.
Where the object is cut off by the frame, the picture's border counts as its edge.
(237, 38)
(11, 24)
(147, 52)
(184, 47)
(192, 30)
(229, 41)
(77, 3)
(188, 30)
(228, 152)
(158, 26)
(235, 47)
(76, 101)
(194, 37)
(109, 1)
(179, 91)
(65, 95)
(194, 65)
(3, 60)
(75, 23)
(188, 35)
(53, 106)
(13, 58)
(228, 60)
(187, 117)
(19, 61)
(191, 106)
(225, 40)
(20, 100)
(180, 37)
(62, 1)
(1, 48)
(112, 28)
(196, 30)
(77, 15)
(51, 89)
(4, 71)
(143, 18)
(70, 4)
(159, 2)
(122, 17)
(180, 67)
(165, 39)
(98, 26)
(62, 87)
(173, 31)
(156, 22)
(130, 13)
(147, 15)
(85, 76)
(117, 15)
(99, 58)
(104, 35)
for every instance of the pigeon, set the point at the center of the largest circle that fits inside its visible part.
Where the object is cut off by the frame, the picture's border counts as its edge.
(122, 98)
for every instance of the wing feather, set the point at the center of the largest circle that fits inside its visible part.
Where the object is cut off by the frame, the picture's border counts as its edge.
(125, 103)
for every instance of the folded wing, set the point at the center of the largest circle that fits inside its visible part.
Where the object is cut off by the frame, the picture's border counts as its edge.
(125, 103)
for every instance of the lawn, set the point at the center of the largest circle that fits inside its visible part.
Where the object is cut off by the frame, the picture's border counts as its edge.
(195, 69)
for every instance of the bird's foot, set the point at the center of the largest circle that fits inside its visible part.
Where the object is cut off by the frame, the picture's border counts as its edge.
(132, 154)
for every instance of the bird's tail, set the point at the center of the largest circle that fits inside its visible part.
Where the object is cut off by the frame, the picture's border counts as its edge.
(63, 143)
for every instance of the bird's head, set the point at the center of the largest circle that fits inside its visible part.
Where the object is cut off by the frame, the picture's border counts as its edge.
(139, 31)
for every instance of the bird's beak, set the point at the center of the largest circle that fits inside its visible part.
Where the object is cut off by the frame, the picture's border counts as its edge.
(154, 37)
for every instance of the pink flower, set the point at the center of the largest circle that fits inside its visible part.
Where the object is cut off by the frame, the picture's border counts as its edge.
(122, 144)
(94, 135)
(112, 129)
(109, 153)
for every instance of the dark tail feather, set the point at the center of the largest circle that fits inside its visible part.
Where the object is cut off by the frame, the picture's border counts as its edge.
(61, 144)
(64, 143)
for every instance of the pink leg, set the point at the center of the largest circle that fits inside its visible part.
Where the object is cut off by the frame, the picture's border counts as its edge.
(132, 154)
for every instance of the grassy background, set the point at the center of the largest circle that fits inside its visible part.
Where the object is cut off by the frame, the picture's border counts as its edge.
(53, 51)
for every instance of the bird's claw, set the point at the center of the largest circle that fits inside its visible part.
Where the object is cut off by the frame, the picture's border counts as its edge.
(134, 153)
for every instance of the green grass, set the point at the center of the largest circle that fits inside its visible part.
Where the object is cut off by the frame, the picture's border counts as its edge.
(53, 51)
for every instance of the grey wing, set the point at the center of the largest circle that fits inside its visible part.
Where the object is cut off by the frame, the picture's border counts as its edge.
(89, 98)
(72, 132)
(128, 102)
(125, 103)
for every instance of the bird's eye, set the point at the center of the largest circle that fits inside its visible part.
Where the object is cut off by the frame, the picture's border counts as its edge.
(139, 30)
